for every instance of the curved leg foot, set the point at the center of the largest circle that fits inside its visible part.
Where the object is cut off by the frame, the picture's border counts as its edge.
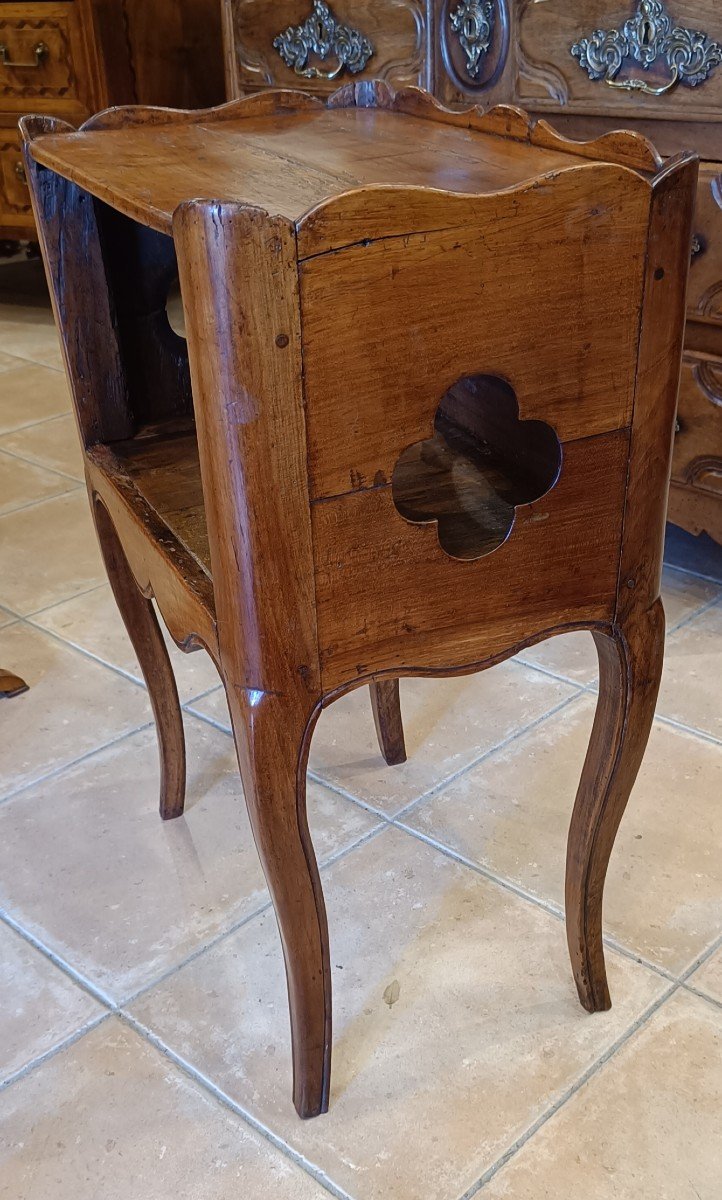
(386, 707)
(272, 737)
(630, 662)
(144, 632)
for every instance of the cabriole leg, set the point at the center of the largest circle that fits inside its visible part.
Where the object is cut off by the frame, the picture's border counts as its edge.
(144, 632)
(630, 662)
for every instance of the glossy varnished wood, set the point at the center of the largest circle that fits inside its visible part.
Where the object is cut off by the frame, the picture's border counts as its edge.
(352, 273)
(284, 153)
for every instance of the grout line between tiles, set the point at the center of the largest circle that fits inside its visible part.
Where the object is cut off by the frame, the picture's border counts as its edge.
(547, 906)
(56, 603)
(690, 729)
(518, 733)
(571, 1091)
(237, 1109)
(641, 1021)
(202, 716)
(51, 1053)
(693, 574)
(25, 361)
(701, 959)
(77, 977)
(89, 654)
(693, 616)
(34, 462)
(199, 951)
(702, 995)
(11, 512)
(73, 762)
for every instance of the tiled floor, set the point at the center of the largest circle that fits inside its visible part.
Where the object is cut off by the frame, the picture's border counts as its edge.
(144, 1045)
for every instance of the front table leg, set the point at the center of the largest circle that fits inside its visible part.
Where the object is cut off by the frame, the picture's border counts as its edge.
(630, 662)
(272, 734)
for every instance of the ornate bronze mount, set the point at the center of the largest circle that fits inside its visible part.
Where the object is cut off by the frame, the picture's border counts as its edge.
(473, 21)
(321, 34)
(649, 38)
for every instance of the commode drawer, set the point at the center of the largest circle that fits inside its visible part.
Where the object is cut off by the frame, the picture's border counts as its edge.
(14, 193)
(627, 58)
(41, 59)
(313, 45)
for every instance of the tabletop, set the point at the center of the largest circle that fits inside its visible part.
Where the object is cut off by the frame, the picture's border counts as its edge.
(286, 163)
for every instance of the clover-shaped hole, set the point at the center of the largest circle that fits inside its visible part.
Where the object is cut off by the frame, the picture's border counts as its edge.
(481, 462)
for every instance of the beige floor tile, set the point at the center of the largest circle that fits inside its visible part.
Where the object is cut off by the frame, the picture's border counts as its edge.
(683, 594)
(664, 889)
(708, 977)
(8, 361)
(110, 1116)
(125, 896)
(647, 1127)
(448, 724)
(92, 621)
(6, 617)
(21, 483)
(29, 394)
(455, 1023)
(30, 333)
(49, 552)
(73, 706)
(692, 681)
(573, 655)
(40, 1006)
(52, 444)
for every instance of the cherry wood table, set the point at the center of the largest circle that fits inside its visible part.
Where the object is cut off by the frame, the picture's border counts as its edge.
(422, 419)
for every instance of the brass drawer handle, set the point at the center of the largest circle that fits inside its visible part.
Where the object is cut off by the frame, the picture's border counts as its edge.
(40, 51)
(649, 38)
(321, 34)
(20, 172)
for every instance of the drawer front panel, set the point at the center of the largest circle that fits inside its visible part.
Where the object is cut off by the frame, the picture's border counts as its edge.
(584, 57)
(41, 60)
(15, 211)
(705, 280)
(313, 45)
(697, 460)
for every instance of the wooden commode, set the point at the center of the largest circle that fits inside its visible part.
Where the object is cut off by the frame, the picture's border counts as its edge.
(423, 418)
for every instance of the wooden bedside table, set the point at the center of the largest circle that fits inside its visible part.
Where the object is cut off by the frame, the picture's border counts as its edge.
(423, 419)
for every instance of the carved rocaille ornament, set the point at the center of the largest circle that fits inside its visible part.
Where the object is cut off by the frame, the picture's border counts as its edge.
(649, 38)
(473, 22)
(322, 35)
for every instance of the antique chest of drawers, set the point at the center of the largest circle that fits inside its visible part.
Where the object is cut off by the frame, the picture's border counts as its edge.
(63, 57)
(70, 58)
(591, 66)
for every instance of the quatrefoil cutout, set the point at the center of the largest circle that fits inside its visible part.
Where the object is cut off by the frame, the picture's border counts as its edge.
(480, 465)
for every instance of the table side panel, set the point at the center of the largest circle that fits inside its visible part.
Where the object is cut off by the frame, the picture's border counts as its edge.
(388, 598)
(542, 286)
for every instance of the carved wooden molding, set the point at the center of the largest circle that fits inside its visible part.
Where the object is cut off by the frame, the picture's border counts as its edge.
(545, 74)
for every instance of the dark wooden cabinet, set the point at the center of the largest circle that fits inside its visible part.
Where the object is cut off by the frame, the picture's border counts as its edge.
(590, 66)
(71, 58)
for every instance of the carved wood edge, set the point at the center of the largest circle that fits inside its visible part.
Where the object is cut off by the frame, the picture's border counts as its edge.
(112, 488)
(623, 146)
(459, 670)
(354, 215)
